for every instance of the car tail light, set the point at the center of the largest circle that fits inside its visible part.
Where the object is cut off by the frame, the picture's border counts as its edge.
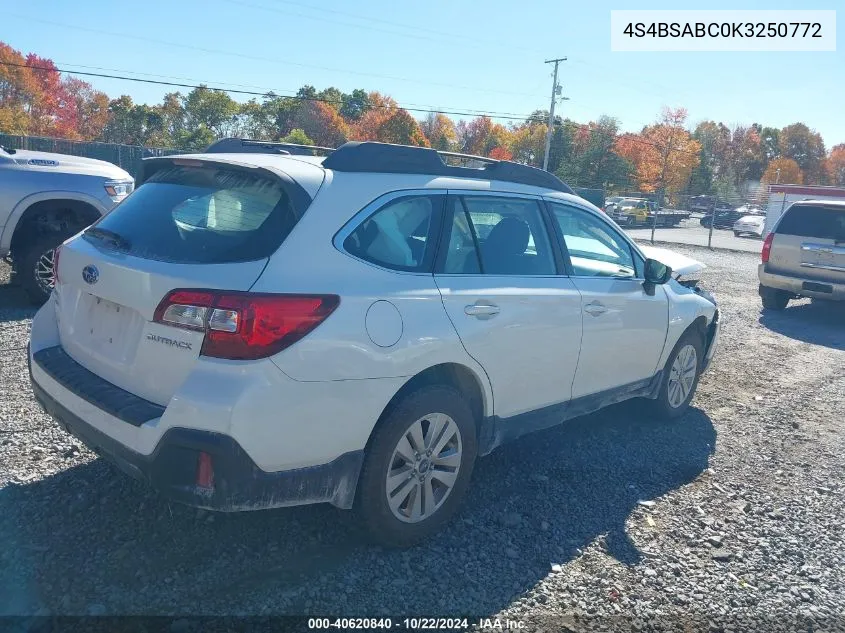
(243, 325)
(767, 247)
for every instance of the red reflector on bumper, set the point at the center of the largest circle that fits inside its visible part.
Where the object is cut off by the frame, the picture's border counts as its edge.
(205, 472)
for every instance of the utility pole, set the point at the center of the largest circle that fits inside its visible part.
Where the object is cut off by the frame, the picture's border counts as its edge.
(555, 93)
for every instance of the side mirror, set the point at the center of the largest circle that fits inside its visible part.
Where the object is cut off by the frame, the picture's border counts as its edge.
(656, 273)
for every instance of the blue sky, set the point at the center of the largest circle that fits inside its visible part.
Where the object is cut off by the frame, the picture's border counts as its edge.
(454, 54)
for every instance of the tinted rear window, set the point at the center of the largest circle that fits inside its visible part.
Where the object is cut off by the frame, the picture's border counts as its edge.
(203, 215)
(813, 221)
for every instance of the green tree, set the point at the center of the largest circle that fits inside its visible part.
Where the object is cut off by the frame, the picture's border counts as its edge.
(298, 137)
(214, 110)
(355, 105)
(806, 148)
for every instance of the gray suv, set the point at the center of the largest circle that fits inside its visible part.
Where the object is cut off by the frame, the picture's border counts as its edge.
(46, 198)
(804, 255)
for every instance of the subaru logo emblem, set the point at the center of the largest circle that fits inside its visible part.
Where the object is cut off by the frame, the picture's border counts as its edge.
(90, 274)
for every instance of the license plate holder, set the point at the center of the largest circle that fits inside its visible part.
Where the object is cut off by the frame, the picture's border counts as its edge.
(104, 321)
(813, 286)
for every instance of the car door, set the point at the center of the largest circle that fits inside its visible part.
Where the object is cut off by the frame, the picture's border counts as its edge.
(514, 310)
(624, 324)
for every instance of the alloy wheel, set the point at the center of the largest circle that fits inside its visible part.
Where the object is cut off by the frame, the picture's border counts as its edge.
(682, 376)
(424, 468)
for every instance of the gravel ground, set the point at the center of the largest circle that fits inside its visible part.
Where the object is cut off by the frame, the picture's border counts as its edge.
(731, 519)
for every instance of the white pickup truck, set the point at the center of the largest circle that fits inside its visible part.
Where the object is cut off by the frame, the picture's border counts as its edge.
(46, 198)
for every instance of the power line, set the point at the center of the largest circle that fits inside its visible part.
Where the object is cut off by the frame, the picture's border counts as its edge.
(215, 51)
(265, 90)
(323, 100)
(415, 29)
(248, 92)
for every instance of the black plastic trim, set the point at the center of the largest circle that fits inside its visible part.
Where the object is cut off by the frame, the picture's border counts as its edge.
(496, 430)
(99, 392)
(239, 484)
(369, 156)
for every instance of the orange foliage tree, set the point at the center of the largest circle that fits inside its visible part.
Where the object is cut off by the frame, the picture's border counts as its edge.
(663, 154)
(836, 165)
(783, 170)
(321, 123)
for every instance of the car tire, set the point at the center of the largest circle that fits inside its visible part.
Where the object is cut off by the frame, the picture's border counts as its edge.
(774, 299)
(676, 389)
(34, 265)
(419, 415)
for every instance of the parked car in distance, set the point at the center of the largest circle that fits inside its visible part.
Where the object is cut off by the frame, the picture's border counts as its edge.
(724, 218)
(750, 225)
(611, 202)
(250, 331)
(44, 199)
(804, 255)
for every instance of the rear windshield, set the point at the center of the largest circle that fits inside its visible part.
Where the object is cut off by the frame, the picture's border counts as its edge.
(813, 221)
(200, 215)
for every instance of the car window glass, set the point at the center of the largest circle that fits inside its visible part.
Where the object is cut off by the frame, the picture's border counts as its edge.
(510, 237)
(203, 215)
(462, 254)
(813, 221)
(595, 249)
(396, 236)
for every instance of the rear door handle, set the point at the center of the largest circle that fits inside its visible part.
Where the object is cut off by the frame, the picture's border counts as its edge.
(595, 308)
(482, 310)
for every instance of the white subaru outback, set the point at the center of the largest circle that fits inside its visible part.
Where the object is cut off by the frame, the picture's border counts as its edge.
(256, 328)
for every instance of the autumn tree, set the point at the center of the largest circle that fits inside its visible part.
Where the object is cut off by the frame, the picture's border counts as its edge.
(441, 131)
(783, 170)
(322, 123)
(90, 108)
(836, 165)
(529, 142)
(664, 154)
(500, 153)
(401, 128)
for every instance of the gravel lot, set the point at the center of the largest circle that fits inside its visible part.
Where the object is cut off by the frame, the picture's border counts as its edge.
(731, 519)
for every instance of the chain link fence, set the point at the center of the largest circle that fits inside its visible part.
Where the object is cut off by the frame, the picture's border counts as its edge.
(706, 220)
(127, 157)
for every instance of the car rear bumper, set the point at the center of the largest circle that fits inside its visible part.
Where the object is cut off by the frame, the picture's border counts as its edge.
(237, 482)
(801, 286)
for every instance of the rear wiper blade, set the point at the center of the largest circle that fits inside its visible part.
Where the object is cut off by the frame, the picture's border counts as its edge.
(110, 236)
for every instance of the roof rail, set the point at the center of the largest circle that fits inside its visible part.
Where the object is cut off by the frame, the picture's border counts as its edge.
(248, 146)
(369, 156)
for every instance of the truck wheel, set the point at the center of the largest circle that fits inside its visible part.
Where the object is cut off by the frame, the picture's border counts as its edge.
(774, 299)
(418, 466)
(35, 266)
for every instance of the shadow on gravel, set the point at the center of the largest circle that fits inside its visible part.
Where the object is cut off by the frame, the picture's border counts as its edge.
(14, 304)
(816, 322)
(89, 539)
